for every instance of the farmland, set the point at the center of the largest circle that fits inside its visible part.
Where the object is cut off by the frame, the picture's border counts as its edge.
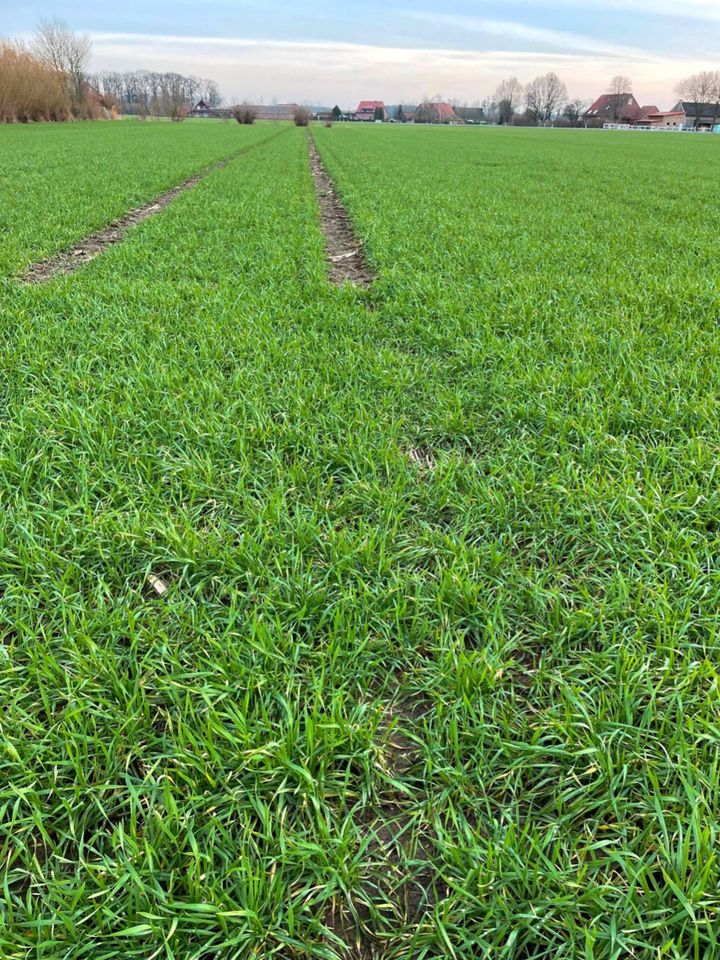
(433, 671)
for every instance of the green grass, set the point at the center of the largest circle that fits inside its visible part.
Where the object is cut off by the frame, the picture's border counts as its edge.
(62, 183)
(466, 707)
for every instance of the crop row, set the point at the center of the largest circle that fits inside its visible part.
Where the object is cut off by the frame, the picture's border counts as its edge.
(62, 183)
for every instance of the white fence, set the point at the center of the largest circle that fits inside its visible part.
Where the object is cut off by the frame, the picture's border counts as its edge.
(648, 128)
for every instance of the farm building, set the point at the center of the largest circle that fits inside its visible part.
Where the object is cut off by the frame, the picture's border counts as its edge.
(616, 108)
(434, 112)
(202, 110)
(664, 119)
(701, 116)
(275, 111)
(367, 110)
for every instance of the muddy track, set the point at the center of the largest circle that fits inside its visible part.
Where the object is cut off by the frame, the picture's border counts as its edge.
(398, 872)
(345, 257)
(72, 259)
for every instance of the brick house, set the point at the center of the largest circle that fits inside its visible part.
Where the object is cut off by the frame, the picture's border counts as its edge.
(616, 108)
(367, 110)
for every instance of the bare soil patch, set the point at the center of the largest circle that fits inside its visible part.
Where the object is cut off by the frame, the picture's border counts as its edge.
(345, 256)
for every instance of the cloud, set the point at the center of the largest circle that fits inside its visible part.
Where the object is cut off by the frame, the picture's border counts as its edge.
(704, 10)
(536, 36)
(327, 72)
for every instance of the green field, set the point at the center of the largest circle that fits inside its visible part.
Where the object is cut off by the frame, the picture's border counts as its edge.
(437, 671)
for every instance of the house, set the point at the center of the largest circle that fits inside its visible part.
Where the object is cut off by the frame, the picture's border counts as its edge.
(201, 109)
(613, 108)
(698, 116)
(370, 110)
(432, 112)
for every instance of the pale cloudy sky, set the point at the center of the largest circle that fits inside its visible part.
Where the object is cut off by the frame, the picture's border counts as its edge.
(329, 51)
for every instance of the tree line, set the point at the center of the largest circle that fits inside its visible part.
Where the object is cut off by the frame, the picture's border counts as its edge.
(47, 79)
(545, 99)
(146, 93)
(700, 90)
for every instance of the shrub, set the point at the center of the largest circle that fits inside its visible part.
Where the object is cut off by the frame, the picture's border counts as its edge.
(245, 113)
(302, 117)
(29, 88)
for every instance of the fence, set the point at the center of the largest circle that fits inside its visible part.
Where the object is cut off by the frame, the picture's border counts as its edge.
(649, 128)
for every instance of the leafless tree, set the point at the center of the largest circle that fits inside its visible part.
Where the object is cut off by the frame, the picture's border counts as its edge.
(545, 97)
(574, 110)
(490, 109)
(66, 52)
(193, 89)
(210, 92)
(507, 96)
(620, 89)
(701, 89)
(145, 92)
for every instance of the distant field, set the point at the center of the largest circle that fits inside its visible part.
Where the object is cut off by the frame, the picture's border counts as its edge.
(435, 674)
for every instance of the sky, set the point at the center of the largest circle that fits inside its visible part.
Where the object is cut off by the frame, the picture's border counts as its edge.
(328, 52)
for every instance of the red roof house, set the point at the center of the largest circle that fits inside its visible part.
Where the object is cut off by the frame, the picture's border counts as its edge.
(367, 110)
(646, 113)
(613, 108)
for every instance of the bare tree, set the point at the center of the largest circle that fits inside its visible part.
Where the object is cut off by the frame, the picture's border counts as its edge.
(66, 52)
(620, 89)
(574, 110)
(210, 93)
(715, 98)
(193, 89)
(545, 97)
(144, 92)
(490, 109)
(701, 89)
(507, 96)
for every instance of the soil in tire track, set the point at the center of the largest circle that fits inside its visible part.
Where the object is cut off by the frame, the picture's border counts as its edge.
(345, 257)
